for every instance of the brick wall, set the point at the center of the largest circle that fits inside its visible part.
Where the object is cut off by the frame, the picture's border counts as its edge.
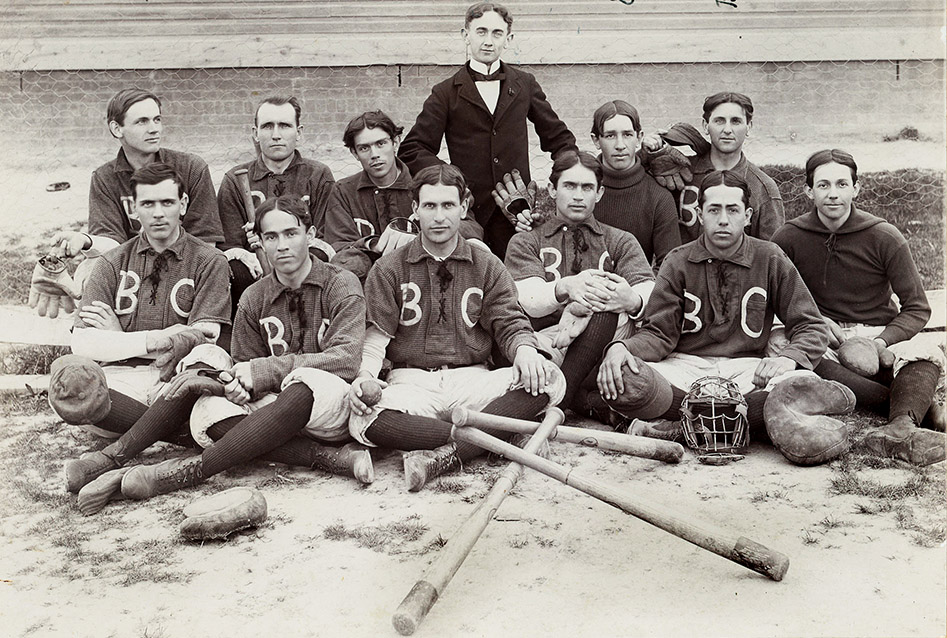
(57, 117)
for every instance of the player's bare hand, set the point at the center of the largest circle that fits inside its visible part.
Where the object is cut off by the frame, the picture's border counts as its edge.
(588, 288)
(69, 243)
(526, 220)
(611, 384)
(621, 297)
(356, 403)
(240, 389)
(836, 334)
(652, 142)
(253, 240)
(772, 367)
(246, 258)
(100, 315)
(529, 370)
(885, 357)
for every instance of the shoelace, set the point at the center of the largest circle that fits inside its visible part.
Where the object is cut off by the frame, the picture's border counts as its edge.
(444, 278)
(830, 245)
(579, 246)
(155, 277)
(297, 307)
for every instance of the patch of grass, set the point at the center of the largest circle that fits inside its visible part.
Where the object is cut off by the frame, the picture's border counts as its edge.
(29, 359)
(449, 486)
(907, 133)
(761, 496)
(389, 538)
(830, 522)
(809, 538)
(519, 541)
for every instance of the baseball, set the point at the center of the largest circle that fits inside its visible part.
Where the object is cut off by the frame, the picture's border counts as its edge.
(371, 392)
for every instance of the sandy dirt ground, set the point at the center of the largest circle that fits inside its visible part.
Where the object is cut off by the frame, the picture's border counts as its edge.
(335, 558)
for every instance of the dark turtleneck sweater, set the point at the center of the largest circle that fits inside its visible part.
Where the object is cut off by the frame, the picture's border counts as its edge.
(635, 203)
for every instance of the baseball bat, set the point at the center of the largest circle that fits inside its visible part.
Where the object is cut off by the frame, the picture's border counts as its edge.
(740, 550)
(641, 446)
(243, 180)
(426, 591)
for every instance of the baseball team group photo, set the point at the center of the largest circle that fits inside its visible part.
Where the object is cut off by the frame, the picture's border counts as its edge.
(581, 319)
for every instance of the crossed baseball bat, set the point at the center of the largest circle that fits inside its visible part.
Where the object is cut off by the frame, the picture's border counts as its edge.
(419, 601)
(243, 181)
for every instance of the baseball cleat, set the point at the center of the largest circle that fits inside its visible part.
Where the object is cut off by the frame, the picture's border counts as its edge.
(901, 439)
(663, 429)
(94, 496)
(86, 469)
(145, 481)
(352, 459)
(420, 466)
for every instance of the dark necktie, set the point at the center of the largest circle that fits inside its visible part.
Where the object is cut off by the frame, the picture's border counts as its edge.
(480, 77)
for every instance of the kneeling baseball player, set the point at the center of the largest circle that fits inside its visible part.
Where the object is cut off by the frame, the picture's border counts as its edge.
(435, 308)
(710, 314)
(585, 278)
(297, 338)
(852, 261)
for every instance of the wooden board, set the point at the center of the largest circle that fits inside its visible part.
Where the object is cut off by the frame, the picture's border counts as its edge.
(21, 324)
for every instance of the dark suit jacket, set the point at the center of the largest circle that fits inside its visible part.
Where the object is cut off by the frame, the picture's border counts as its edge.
(482, 145)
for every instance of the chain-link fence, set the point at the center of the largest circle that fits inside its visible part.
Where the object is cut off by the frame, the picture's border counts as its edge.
(888, 113)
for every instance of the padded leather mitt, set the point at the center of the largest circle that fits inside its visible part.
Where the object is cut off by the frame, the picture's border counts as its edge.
(221, 514)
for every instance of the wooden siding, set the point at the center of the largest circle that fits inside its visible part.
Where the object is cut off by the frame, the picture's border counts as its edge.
(152, 34)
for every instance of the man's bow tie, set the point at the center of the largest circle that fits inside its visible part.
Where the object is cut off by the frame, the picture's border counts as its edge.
(480, 77)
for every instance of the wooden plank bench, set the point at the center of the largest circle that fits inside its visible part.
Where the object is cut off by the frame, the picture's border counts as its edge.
(21, 325)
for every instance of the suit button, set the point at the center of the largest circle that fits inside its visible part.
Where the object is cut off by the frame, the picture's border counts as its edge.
(496, 160)
(494, 131)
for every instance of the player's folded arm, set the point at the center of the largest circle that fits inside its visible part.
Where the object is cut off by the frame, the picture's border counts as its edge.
(907, 285)
(793, 303)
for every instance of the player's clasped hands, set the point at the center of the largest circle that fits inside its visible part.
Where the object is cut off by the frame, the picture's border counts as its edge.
(610, 381)
(591, 288)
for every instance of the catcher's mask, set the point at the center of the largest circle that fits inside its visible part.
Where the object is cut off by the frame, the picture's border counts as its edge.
(713, 415)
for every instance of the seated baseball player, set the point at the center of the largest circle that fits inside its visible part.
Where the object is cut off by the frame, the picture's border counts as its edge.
(710, 314)
(297, 340)
(727, 120)
(632, 200)
(134, 119)
(146, 304)
(578, 274)
(278, 170)
(366, 214)
(435, 308)
(852, 261)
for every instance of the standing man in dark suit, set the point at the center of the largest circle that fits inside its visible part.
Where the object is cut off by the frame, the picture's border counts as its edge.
(482, 111)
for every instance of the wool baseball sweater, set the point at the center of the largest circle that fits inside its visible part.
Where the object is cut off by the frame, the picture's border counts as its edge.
(852, 272)
(706, 306)
(637, 204)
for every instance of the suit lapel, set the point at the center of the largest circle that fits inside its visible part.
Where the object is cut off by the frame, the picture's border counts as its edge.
(468, 90)
(509, 88)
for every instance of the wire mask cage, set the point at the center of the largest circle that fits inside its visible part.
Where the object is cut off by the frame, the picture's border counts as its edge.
(713, 416)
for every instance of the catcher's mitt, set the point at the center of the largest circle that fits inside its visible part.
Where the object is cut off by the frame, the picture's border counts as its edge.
(52, 288)
(175, 348)
(221, 514)
(795, 415)
(713, 416)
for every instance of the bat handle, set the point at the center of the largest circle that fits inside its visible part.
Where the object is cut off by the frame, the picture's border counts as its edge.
(414, 607)
(243, 180)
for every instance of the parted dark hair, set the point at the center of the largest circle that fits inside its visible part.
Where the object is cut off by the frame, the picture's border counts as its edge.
(724, 178)
(443, 174)
(156, 173)
(828, 156)
(369, 119)
(609, 110)
(477, 10)
(279, 100)
(123, 100)
(569, 159)
(728, 97)
(291, 204)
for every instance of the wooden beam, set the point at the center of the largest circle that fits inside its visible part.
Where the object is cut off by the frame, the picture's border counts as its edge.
(598, 47)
